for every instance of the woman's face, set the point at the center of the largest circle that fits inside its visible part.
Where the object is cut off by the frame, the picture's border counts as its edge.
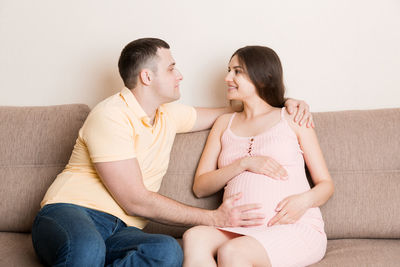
(239, 84)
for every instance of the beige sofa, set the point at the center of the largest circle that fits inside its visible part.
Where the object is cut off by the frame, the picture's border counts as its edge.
(362, 149)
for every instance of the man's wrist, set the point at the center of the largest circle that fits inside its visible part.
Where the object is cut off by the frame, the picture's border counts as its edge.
(211, 218)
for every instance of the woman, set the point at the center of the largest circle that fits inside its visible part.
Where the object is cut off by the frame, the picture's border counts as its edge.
(244, 154)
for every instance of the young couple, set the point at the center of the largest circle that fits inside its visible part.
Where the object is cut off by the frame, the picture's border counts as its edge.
(93, 213)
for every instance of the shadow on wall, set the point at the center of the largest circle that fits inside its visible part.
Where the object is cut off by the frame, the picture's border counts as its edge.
(215, 87)
(106, 81)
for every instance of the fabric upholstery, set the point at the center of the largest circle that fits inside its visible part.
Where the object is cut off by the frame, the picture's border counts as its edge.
(178, 181)
(361, 252)
(36, 143)
(362, 152)
(16, 250)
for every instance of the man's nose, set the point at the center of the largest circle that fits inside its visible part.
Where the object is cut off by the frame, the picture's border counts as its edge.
(179, 75)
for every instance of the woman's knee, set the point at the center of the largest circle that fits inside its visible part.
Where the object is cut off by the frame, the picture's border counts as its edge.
(227, 251)
(231, 252)
(243, 251)
(197, 234)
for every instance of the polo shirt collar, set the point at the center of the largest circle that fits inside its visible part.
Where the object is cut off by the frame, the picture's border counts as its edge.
(132, 103)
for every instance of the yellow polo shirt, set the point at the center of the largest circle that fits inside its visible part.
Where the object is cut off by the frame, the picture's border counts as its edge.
(117, 129)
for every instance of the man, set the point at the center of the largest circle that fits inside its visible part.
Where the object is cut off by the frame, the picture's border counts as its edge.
(93, 213)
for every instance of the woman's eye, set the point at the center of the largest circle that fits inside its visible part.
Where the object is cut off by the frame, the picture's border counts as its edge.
(237, 71)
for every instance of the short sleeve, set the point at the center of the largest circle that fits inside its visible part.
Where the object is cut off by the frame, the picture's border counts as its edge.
(184, 116)
(109, 136)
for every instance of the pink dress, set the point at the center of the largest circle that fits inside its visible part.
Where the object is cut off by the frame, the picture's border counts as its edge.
(298, 244)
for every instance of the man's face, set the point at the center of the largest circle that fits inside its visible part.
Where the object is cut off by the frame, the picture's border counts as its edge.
(167, 77)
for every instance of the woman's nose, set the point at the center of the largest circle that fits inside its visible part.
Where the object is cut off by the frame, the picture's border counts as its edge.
(228, 77)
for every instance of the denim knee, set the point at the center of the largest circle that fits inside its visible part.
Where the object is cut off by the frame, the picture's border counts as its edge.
(88, 250)
(174, 253)
(167, 250)
(58, 245)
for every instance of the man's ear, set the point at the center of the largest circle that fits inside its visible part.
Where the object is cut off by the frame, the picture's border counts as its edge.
(146, 76)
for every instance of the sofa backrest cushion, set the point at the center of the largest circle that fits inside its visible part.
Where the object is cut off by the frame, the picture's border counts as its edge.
(362, 150)
(35, 145)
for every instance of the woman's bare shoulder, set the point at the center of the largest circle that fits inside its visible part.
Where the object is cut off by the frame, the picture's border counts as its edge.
(222, 121)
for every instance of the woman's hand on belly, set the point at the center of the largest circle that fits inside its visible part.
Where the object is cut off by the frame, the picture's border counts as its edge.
(265, 165)
(291, 209)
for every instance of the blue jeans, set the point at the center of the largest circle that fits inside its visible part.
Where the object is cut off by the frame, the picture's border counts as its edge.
(71, 235)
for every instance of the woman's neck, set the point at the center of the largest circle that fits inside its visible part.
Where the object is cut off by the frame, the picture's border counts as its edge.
(255, 107)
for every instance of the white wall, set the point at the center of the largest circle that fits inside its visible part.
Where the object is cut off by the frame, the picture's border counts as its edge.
(336, 54)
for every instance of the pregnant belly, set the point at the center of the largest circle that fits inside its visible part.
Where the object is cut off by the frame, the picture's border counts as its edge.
(261, 189)
(268, 192)
(257, 188)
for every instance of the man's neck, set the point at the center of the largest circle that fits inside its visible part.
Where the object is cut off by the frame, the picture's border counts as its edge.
(147, 101)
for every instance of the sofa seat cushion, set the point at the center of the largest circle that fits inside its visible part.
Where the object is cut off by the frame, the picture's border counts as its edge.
(16, 249)
(361, 252)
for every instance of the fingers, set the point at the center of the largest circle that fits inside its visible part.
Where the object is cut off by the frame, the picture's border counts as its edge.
(275, 170)
(281, 212)
(281, 171)
(251, 223)
(306, 117)
(281, 205)
(252, 216)
(248, 207)
(251, 219)
(267, 166)
(302, 114)
(299, 113)
(237, 196)
(276, 174)
(290, 105)
(281, 218)
(310, 122)
(276, 218)
(247, 218)
(234, 197)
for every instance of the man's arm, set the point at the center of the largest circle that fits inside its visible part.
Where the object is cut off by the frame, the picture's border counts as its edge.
(207, 116)
(123, 179)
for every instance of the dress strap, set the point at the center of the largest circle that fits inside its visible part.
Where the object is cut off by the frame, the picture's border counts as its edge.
(283, 113)
(230, 121)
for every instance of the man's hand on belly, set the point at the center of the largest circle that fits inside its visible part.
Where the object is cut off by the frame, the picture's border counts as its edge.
(229, 215)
